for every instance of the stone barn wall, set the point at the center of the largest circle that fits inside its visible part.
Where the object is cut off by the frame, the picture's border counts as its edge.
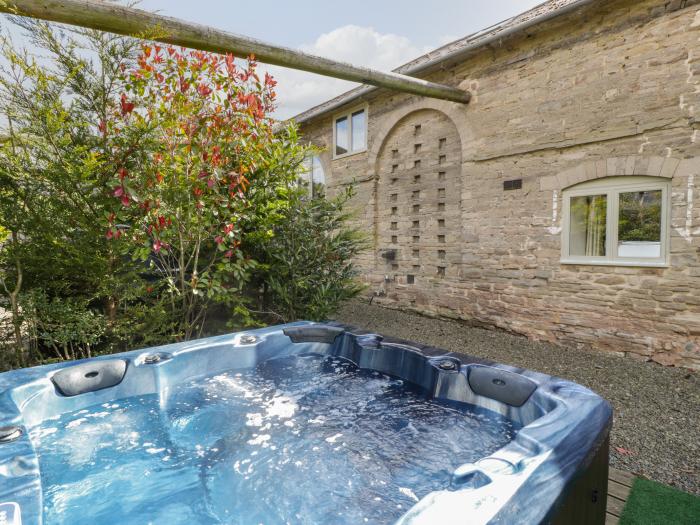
(610, 92)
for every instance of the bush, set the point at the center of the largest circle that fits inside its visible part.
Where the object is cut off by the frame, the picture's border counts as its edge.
(209, 167)
(143, 188)
(306, 268)
(66, 325)
(55, 170)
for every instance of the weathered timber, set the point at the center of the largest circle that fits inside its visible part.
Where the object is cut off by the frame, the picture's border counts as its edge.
(619, 487)
(106, 16)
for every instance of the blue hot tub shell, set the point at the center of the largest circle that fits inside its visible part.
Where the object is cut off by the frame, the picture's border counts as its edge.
(554, 471)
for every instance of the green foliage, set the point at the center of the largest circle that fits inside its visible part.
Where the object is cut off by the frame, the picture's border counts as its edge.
(209, 167)
(55, 170)
(67, 325)
(640, 216)
(307, 268)
(143, 191)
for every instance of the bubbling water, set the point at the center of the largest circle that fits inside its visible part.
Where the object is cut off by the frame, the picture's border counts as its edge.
(301, 440)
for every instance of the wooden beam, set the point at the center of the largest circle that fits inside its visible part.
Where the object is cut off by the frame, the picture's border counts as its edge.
(114, 18)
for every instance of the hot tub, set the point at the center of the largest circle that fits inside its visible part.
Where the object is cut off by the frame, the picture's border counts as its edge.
(302, 423)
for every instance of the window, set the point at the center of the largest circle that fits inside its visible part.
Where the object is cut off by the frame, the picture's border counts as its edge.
(359, 131)
(618, 221)
(350, 133)
(314, 175)
(342, 139)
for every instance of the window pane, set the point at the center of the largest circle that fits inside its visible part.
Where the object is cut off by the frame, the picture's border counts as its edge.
(317, 176)
(587, 225)
(341, 136)
(359, 139)
(639, 224)
(317, 170)
(306, 172)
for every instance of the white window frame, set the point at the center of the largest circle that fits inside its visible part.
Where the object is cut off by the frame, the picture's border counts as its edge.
(612, 187)
(348, 115)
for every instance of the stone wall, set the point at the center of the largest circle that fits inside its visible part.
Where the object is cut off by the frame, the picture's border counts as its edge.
(609, 92)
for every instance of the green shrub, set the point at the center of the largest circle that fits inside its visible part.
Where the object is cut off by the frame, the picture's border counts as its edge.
(55, 174)
(66, 325)
(306, 265)
(142, 190)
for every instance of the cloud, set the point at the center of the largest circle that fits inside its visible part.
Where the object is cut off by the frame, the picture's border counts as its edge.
(364, 46)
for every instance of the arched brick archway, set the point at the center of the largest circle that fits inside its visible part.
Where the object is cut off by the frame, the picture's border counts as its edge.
(457, 113)
(418, 195)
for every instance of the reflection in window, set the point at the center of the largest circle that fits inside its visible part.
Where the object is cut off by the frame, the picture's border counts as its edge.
(359, 141)
(341, 136)
(639, 224)
(318, 177)
(617, 220)
(313, 176)
(587, 225)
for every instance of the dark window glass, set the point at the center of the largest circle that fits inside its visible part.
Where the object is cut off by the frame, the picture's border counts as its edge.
(341, 136)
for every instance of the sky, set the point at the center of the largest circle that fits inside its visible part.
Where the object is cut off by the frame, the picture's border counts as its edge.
(381, 34)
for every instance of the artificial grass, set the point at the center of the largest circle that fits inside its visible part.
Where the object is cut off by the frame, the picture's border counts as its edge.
(651, 503)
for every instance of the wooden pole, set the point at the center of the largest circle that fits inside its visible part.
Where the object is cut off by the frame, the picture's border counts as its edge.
(114, 18)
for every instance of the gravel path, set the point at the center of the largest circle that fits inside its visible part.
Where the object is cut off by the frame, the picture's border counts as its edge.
(656, 429)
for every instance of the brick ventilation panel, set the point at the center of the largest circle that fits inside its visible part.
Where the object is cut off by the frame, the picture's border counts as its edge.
(419, 202)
